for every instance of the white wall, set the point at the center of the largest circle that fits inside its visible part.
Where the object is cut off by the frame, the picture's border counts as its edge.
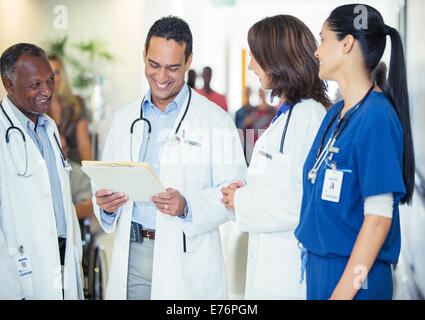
(413, 219)
(415, 60)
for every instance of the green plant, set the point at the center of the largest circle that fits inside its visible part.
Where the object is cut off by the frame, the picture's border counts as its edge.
(83, 57)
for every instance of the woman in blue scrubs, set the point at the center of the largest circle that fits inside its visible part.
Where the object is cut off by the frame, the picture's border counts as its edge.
(361, 165)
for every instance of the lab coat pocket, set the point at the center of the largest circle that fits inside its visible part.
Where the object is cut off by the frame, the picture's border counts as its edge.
(280, 165)
(277, 273)
(260, 161)
(283, 174)
(202, 254)
(193, 152)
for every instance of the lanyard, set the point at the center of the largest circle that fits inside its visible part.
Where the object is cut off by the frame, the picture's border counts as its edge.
(321, 154)
(338, 129)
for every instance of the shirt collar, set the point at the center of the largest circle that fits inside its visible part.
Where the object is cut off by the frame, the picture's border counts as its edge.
(176, 104)
(284, 108)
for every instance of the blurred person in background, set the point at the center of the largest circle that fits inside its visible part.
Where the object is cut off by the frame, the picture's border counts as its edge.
(255, 123)
(379, 75)
(240, 116)
(209, 93)
(70, 114)
(191, 78)
(260, 117)
(80, 187)
(245, 110)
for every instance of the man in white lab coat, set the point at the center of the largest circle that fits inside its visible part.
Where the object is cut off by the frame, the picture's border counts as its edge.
(169, 248)
(40, 241)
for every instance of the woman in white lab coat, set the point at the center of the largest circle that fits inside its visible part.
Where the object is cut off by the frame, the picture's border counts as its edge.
(205, 157)
(27, 220)
(268, 205)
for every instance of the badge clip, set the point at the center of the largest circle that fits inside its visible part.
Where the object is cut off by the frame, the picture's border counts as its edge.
(334, 150)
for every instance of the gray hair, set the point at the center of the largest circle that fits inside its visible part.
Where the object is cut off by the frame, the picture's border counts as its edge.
(10, 57)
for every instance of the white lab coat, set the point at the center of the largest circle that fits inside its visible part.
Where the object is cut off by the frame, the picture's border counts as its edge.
(268, 207)
(198, 171)
(27, 219)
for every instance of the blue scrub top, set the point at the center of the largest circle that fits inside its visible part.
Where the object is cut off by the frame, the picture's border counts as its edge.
(371, 156)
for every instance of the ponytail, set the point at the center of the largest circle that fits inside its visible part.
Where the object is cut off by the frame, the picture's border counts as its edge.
(396, 92)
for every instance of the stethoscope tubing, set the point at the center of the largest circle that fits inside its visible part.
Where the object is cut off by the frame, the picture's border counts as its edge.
(141, 118)
(323, 153)
(65, 160)
(282, 139)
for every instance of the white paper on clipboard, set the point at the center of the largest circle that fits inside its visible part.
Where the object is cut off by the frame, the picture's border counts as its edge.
(135, 179)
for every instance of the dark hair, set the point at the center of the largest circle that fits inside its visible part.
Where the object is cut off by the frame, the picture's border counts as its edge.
(173, 28)
(371, 35)
(10, 57)
(379, 75)
(284, 48)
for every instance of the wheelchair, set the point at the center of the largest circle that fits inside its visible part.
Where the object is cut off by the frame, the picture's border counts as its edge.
(94, 263)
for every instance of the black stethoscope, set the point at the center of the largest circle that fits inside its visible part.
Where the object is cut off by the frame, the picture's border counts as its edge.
(329, 147)
(141, 118)
(282, 139)
(65, 161)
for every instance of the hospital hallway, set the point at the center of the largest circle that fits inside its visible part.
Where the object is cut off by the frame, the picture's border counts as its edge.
(103, 41)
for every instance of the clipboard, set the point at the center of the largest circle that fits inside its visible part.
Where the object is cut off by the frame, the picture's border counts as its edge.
(135, 179)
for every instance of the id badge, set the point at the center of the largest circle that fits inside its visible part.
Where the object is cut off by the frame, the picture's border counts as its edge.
(332, 185)
(23, 264)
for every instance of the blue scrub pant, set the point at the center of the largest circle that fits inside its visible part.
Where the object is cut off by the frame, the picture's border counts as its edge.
(323, 274)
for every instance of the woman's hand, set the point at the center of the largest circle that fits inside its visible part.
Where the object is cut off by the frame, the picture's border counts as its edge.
(229, 194)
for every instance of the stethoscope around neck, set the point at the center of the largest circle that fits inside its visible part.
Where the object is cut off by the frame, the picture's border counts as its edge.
(141, 118)
(12, 128)
(329, 147)
(282, 138)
